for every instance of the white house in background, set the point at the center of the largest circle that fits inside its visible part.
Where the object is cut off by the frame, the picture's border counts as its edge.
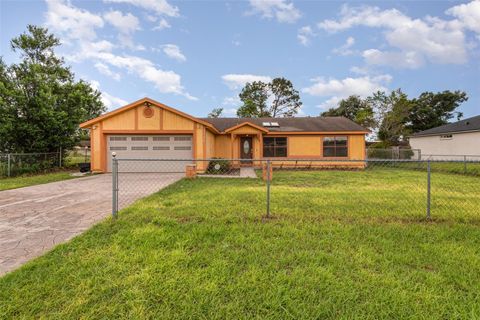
(458, 138)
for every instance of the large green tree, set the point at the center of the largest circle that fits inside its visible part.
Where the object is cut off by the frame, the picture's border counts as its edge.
(354, 108)
(277, 98)
(41, 103)
(392, 115)
(431, 110)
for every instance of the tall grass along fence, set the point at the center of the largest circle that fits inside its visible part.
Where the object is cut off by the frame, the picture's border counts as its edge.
(15, 164)
(410, 189)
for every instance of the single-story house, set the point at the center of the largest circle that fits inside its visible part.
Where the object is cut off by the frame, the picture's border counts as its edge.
(151, 130)
(453, 139)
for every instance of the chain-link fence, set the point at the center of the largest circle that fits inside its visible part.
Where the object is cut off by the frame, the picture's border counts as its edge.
(394, 154)
(408, 189)
(15, 164)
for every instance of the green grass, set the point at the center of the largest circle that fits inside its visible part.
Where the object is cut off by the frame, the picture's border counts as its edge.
(31, 180)
(348, 245)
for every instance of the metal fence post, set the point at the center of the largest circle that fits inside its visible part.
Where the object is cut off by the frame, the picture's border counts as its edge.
(268, 188)
(9, 164)
(429, 189)
(60, 158)
(464, 164)
(114, 185)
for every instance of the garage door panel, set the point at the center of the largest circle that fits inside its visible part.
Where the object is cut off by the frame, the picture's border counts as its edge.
(150, 147)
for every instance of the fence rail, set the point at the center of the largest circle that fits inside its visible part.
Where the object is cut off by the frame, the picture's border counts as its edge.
(407, 187)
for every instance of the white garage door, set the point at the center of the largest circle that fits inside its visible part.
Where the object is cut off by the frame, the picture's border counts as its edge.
(150, 147)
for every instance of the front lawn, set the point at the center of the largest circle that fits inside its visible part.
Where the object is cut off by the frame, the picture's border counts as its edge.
(339, 245)
(31, 180)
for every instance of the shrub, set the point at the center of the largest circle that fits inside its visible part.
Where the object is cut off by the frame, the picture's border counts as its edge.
(218, 166)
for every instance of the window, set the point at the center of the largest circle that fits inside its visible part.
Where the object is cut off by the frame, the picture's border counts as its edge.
(139, 148)
(335, 146)
(117, 148)
(161, 148)
(139, 138)
(274, 147)
(446, 137)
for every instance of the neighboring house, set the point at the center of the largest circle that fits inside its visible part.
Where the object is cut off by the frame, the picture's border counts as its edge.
(149, 129)
(458, 138)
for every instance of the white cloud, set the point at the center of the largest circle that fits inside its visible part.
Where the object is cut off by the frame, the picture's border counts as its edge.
(304, 34)
(345, 49)
(72, 22)
(126, 24)
(396, 59)
(111, 102)
(468, 14)
(236, 81)
(338, 89)
(360, 70)
(164, 81)
(105, 70)
(163, 24)
(78, 26)
(159, 7)
(416, 40)
(281, 10)
(174, 52)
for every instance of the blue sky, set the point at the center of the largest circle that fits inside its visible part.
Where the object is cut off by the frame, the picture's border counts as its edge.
(197, 55)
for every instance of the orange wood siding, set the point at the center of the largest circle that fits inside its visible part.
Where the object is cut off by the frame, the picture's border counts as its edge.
(199, 143)
(96, 153)
(246, 130)
(122, 121)
(298, 146)
(223, 146)
(356, 147)
(312, 146)
(210, 146)
(172, 121)
(152, 123)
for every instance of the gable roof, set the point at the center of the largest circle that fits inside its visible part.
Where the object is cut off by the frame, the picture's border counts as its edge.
(247, 123)
(137, 103)
(465, 125)
(300, 124)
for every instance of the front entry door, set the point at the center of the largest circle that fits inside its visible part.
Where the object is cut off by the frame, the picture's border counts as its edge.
(246, 150)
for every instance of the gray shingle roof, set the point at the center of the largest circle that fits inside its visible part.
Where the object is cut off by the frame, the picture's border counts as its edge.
(300, 124)
(470, 124)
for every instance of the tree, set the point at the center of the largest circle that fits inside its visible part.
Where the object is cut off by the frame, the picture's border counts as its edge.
(355, 109)
(41, 104)
(285, 100)
(254, 97)
(215, 113)
(392, 114)
(431, 110)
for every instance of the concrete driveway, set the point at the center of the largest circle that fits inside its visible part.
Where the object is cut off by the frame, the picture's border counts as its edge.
(35, 219)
